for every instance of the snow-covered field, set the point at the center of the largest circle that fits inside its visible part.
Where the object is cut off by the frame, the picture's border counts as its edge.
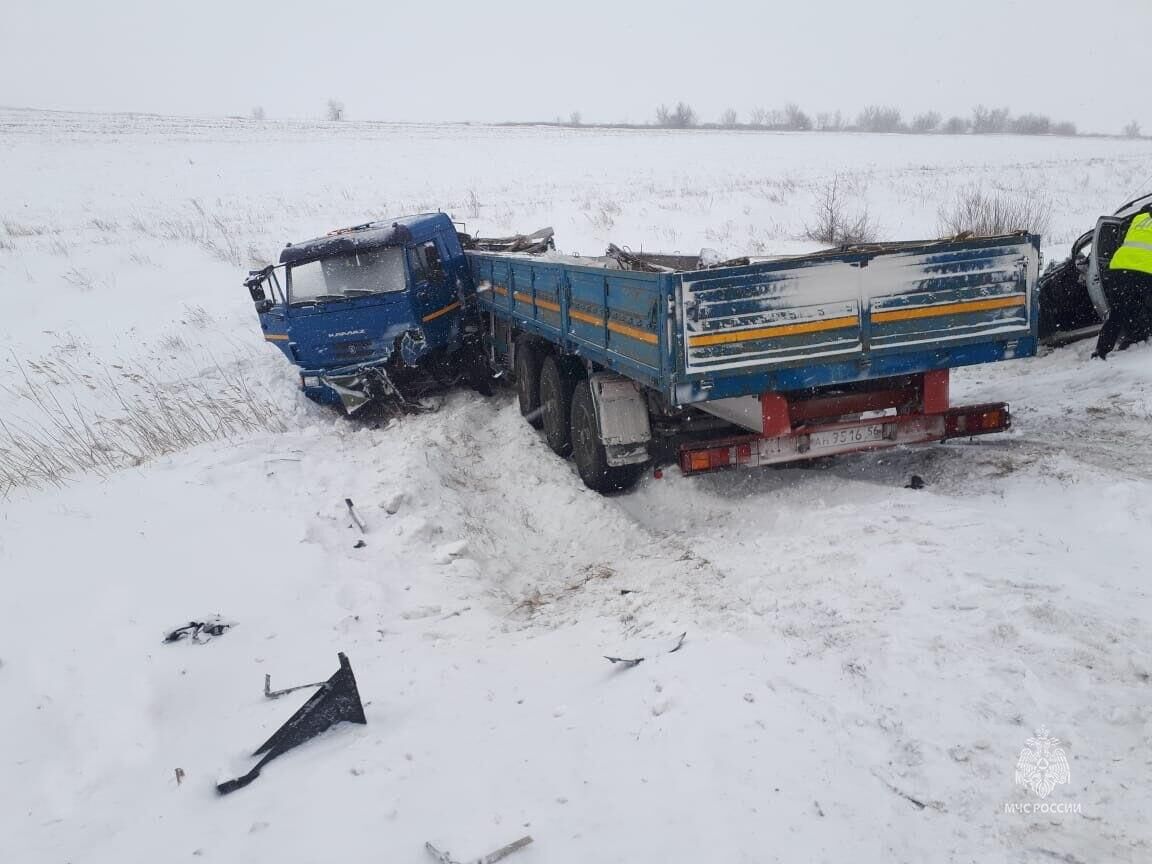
(863, 662)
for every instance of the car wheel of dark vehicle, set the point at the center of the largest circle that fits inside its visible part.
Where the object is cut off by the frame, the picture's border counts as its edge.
(528, 361)
(591, 458)
(558, 379)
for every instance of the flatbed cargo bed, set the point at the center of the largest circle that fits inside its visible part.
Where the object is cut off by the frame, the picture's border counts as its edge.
(777, 325)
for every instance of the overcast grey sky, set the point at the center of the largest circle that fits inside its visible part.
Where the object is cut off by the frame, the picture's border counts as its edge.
(503, 60)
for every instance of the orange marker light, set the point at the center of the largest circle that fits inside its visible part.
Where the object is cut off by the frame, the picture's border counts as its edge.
(698, 460)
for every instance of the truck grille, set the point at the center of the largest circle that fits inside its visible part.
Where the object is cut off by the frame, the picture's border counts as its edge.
(353, 350)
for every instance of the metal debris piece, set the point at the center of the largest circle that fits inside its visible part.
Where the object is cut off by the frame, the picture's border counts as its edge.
(534, 243)
(629, 662)
(490, 858)
(276, 694)
(355, 516)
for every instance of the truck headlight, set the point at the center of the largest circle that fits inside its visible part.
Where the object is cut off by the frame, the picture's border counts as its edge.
(311, 381)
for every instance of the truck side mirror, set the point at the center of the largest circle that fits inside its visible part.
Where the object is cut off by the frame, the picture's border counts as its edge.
(255, 283)
(262, 304)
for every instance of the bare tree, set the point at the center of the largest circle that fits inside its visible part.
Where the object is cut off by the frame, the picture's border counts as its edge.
(795, 119)
(1032, 124)
(682, 116)
(879, 118)
(335, 109)
(258, 113)
(1065, 127)
(833, 122)
(790, 118)
(775, 118)
(833, 223)
(575, 119)
(989, 121)
(729, 119)
(957, 126)
(1132, 130)
(929, 121)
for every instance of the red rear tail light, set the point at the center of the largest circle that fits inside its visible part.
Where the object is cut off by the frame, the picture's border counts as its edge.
(977, 421)
(712, 458)
(720, 457)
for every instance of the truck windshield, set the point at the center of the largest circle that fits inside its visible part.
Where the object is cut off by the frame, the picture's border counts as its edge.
(355, 274)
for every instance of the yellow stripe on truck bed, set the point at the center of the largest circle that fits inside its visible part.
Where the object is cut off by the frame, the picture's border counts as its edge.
(727, 337)
(964, 306)
(585, 317)
(634, 332)
(615, 326)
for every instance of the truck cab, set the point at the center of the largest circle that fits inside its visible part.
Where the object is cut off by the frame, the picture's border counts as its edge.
(359, 307)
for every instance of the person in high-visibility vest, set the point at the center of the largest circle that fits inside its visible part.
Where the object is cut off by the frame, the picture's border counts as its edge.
(1128, 288)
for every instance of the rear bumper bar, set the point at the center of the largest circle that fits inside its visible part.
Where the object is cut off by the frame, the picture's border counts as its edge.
(854, 436)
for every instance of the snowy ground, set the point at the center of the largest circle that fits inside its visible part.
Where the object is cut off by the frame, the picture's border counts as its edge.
(852, 645)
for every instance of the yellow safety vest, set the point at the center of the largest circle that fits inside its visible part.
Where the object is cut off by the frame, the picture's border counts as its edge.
(1136, 252)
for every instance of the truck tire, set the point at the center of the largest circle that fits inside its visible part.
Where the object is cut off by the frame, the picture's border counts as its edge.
(528, 362)
(558, 379)
(591, 459)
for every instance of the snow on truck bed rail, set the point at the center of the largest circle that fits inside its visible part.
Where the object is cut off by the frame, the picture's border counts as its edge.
(865, 663)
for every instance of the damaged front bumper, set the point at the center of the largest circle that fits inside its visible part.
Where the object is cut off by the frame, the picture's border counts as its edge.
(359, 384)
(351, 387)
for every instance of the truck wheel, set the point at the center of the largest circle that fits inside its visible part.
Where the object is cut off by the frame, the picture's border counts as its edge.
(528, 361)
(591, 459)
(558, 379)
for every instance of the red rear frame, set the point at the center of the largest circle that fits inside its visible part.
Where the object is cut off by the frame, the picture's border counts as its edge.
(916, 411)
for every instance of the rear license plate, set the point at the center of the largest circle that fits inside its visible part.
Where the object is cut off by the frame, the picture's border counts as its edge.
(834, 438)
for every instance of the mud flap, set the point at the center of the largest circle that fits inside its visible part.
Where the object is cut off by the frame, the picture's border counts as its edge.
(622, 417)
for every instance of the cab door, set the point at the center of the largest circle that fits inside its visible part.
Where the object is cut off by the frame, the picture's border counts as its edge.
(434, 294)
(1106, 240)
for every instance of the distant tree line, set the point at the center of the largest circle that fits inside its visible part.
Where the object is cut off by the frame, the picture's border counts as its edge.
(874, 118)
(791, 118)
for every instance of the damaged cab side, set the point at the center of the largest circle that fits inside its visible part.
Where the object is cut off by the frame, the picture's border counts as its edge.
(365, 312)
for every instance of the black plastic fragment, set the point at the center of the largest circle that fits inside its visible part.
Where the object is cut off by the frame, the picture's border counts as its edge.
(199, 631)
(337, 701)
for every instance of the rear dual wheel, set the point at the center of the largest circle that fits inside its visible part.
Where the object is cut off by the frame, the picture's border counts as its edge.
(558, 379)
(528, 363)
(588, 451)
(553, 393)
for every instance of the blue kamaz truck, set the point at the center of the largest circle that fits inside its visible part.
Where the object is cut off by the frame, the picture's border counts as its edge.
(629, 360)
